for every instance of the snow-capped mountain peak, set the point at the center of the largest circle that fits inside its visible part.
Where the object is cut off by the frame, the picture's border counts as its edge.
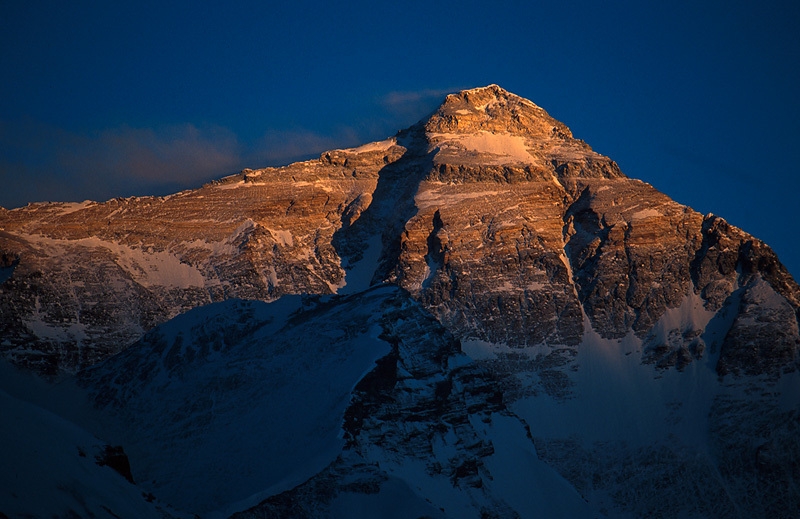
(477, 317)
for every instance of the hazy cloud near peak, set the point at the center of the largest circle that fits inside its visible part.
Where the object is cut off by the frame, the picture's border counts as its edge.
(415, 103)
(280, 147)
(403, 98)
(39, 160)
(168, 154)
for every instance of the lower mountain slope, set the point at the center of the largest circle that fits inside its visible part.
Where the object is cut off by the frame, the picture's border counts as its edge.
(365, 404)
(253, 394)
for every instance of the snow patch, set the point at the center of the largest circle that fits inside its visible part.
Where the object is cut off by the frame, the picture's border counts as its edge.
(690, 315)
(372, 146)
(646, 213)
(358, 276)
(282, 237)
(637, 402)
(502, 144)
(521, 479)
(156, 268)
(146, 267)
(70, 207)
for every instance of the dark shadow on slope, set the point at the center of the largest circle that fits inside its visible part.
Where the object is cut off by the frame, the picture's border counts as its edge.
(8, 262)
(602, 294)
(391, 207)
(435, 256)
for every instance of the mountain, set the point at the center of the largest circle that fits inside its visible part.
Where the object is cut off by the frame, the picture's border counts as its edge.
(477, 317)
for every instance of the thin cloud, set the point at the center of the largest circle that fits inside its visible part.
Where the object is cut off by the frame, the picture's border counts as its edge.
(401, 100)
(404, 108)
(279, 147)
(169, 154)
(414, 104)
(41, 162)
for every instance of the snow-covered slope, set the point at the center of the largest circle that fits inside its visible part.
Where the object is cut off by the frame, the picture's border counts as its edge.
(53, 468)
(365, 406)
(364, 397)
(260, 389)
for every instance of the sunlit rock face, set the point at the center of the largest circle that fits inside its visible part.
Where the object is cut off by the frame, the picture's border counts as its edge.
(83, 281)
(489, 212)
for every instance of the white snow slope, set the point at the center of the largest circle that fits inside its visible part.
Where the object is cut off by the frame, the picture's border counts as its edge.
(49, 469)
(238, 400)
(284, 410)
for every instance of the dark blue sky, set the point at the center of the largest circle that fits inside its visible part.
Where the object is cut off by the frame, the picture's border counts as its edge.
(99, 100)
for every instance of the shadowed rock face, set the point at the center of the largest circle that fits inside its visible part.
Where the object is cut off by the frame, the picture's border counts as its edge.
(489, 212)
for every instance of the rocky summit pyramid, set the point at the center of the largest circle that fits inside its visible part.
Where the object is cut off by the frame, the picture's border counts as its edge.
(477, 317)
